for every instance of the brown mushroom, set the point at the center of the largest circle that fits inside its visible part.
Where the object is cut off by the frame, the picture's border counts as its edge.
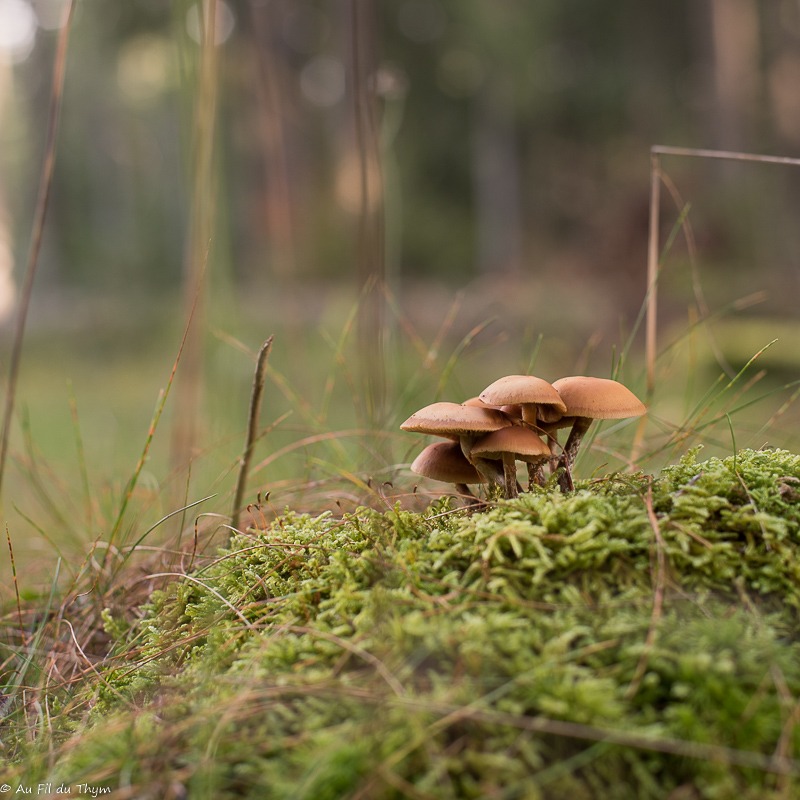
(465, 423)
(511, 410)
(588, 399)
(444, 461)
(511, 444)
(535, 398)
(526, 391)
(476, 402)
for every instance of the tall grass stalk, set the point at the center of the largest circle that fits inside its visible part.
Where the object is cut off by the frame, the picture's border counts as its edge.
(82, 465)
(159, 410)
(40, 215)
(656, 178)
(371, 244)
(199, 238)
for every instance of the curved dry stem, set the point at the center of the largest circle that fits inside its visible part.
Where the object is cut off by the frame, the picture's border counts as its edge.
(568, 456)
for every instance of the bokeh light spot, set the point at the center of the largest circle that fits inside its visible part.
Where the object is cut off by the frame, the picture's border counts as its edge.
(145, 69)
(17, 29)
(322, 81)
(224, 23)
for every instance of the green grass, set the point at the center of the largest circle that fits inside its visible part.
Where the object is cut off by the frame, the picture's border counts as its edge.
(635, 639)
(382, 649)
(87, 397)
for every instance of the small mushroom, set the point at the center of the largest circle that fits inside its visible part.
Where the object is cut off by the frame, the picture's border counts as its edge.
(531, 398)
(464, 423)
(587, 399)
(526, 391)
(476, 402)
(511, 410)
(444, 461)
(511, 444)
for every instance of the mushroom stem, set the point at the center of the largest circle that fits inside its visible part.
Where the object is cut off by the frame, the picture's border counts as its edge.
(489, 469)
(466, 441)
(464, 491)
(529, 413)
(486, 467)
(535, 476)
(565, 482)
(554, 446)
(510, 475)
(567, 459)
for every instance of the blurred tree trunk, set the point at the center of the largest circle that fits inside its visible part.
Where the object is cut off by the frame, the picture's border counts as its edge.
(495, 169)
(278, 202)
(733, 27)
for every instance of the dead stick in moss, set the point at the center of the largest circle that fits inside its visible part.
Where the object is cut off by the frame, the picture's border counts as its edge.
(658, 595)
(256, 394)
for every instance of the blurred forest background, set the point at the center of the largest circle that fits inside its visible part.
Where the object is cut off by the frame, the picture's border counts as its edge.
(414, 196)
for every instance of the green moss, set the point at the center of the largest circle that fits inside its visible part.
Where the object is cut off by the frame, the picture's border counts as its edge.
(636, 638)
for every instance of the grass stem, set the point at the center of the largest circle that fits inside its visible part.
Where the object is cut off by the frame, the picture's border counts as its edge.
(42, 203)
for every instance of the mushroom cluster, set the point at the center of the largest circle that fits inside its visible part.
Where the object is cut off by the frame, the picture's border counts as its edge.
(516, 418)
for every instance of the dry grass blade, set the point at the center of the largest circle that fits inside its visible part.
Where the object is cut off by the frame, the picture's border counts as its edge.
(391, 681)
(659, 581)
(206, 587)
(200, 233)
(42, 202)
(256, 396)
(26, 657)
(725, 155)
(699, 750)
(14, 578)
(82, 465)
(160, 404)
(371, 251)
(653, 262)
(652, 272)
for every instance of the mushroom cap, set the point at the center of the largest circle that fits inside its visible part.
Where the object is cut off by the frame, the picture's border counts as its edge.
(522, 442)
(516, 389)
(444, 461)
(513, 410)
(476, 402)
(550, 418)
(453, 419)
(598, 398)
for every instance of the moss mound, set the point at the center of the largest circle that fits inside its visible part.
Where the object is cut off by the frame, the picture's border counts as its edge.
(639, 638)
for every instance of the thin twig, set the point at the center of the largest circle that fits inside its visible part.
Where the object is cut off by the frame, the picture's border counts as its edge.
(652, 272)
(726, 155)
(658, 595)
(652, 250)
(256, 395)
(14, 578)
(42, 202)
